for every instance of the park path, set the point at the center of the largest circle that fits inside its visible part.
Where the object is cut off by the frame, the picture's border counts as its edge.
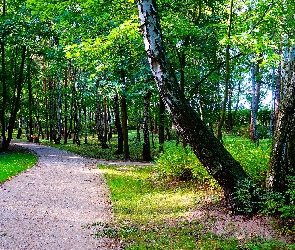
(50, 205)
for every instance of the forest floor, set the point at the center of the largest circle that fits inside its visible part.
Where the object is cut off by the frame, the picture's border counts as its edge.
(51, 206)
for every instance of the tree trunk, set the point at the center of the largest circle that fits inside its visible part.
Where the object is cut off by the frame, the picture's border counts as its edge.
(20, 125)
(66, 109)
(146, 151)
(100, 127)
(125, 127)
(16, 100)
(105, 120)
(161, 125)
(227, 76)
(59, 122)
(216, 159)
(86, 124)
(255, 102)
(277, 99)
(30, 136)
(4, 92)
(282, 160)
(138, 127)
(118, 125)
(40, 131)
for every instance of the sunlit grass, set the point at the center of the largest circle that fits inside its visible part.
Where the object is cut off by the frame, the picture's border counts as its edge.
(152, 214)
(94, 150)
(13, 163)
(148, 203)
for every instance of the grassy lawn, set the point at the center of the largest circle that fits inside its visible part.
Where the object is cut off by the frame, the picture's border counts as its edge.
(13, 163)
(152, 214)
(93, 149)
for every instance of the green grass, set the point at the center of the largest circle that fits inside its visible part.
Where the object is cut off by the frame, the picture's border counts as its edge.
(254, 159)
(151, 214)
(93, 149)
(13, 163)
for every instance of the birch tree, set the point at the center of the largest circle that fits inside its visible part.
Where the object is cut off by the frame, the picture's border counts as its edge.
(282, 160)
(215, 158)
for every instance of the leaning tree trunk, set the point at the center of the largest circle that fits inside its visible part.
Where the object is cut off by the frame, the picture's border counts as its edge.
(282, 160)
(216, 159)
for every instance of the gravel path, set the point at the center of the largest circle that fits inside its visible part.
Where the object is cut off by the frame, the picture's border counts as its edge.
(50, 205)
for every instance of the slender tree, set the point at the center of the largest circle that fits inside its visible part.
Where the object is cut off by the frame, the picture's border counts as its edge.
(146, 152)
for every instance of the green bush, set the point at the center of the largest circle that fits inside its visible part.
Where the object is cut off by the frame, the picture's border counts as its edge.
(288, 209)
(254, 159)
(263, 131)
(181, 163)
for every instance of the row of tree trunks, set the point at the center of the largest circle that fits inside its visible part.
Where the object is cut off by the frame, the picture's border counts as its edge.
(227, 76)
(14, 102)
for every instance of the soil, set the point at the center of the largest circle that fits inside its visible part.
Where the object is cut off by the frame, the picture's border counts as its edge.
(216, 219)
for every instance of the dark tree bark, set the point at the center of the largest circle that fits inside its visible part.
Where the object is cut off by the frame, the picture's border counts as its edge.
(86, 125)
(30, 136)
(161, 125)
(118, 125)
(100, 127)
(216, 159)
(282, 160)
(3, 90)
(70, 131)
(59, 106)
(20, 125)
(66, 109)
(227, 76)
(40, 131)
(19, 80)
(45, 103)
(110, 132)
(138, 127)
(105, 120)
(77, 125)
(146, 150)
(125, 127)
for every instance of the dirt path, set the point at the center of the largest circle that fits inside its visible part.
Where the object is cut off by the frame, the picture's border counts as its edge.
(49, 205)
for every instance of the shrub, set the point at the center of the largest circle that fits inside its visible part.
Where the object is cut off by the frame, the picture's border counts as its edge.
(181, 163)
(254, 159)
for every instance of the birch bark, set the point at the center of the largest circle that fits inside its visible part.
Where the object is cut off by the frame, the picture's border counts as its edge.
(216, 159)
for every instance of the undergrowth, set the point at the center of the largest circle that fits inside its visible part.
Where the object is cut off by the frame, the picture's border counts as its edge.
(153, 214)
